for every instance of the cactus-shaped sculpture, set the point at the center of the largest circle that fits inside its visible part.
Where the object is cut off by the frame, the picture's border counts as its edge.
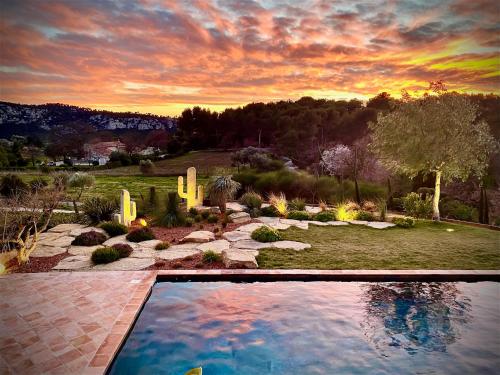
(128, 210)
(191, 197)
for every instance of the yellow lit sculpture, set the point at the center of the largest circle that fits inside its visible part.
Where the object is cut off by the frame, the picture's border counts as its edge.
(191, 197)
(128, 210)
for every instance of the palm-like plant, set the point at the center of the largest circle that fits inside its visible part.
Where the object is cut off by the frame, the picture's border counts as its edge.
(220, 189)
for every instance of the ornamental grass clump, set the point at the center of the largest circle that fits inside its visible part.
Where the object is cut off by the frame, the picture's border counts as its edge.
(366, 216)
(141, 234)
(297, 204)
(280, 203)
(105, 255)
(123, 249)
(113, 229)
(162, 245)
(325, 216)
(210, 257)
(91, 238)
(252, 200)
(269, 211)
(266, 234)
(298, 215)
(212, 219)
(347, 211)
(173, 216)
(99, 209)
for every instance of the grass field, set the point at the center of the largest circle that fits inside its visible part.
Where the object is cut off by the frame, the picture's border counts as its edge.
(427, 246)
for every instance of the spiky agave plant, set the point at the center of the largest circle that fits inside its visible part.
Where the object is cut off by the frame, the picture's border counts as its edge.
(221, 189)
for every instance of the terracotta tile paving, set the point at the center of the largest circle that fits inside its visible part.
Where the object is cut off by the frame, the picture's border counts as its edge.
(67, 323)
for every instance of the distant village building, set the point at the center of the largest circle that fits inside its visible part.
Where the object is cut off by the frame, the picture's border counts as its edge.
(100, 152)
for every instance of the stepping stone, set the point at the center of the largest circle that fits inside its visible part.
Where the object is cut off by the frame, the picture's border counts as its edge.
(280, 226)
(79, 262)
(249, 228)
(292, 245)
(125, 264)
(215, 246)
(301, 224)
(47, 251)
(184, 246)
(380, 225)
(78, 231)
(48, 237)
(239, 217)
(337, 223)
(143, 253)
(238, 259)
(63, 241)
(173, 254)
(199, 236)
(151, 244)
(235, 206)
(236, 236)
(313, 210)
(250, 245)
(120, 239)
(65, 228)
(358, 222)
(270, 220)
(83, 250)
(318, 223)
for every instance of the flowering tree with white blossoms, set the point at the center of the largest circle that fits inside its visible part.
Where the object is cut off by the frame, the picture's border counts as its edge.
(337, 162)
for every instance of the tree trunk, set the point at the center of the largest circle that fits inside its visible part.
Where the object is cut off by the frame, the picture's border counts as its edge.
(435, 201)
(75, 207)
(358, 196)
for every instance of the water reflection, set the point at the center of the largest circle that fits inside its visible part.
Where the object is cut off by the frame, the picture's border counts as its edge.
(414, 316)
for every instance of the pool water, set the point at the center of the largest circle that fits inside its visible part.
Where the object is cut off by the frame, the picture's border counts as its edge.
(316, 328)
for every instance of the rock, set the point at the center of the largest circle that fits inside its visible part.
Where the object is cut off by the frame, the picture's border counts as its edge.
(184, 246)
(120, 239)
(83, 250)
(199, 236)
(236, 236)
(337, 223)
(65, 228)
(143, 253)
(268, 220)
(250, 245)
(78, 231)
(151, 244)
(249, 228)
(318, 223)
(313, 210)
(302, 224)
(79, 262)
(280, 226)
(239, 217)
(63, 241)
(292, 245)
(358, 222)
(238, 259)
(212, 210)
(380, 224)
(126, 264)
(263, 205)
(215, 246)
(47, 251)
(235, 206)
(48, 237)
(176, 254)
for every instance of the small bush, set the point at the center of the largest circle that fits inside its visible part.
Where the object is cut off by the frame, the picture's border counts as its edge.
(188, 222)
(325, 216)
(266, 234)
(162, 246)
(38, 184)
(147, 167)
(297, 204)
(404, 222)
(172, 217)
(369, 206)
(198, 218)
(104, 255)
(254, 212)
(497, 222)
(298, 215)
(91, 238)
(252, 200)
(114, 229)
(141, 234)
(323, 206)
(211, 257)
(212, 219)
(99, 209)
(123, 249)
(455, 209)
(269, 211)
(205, 214)
(193, 212)
(12, 184)
(365, 215)
(417, 206)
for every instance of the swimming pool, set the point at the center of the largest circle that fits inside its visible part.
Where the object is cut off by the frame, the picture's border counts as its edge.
(316, 328)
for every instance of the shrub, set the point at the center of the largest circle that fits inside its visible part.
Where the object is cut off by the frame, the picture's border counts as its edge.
(205, 214)
(212, 219)
(455, 209)
(211, 257)
(497, 222)
(416, 206)
(269, 211)
(323, 206)
(12, 184)
(298, 215)
(99, 209)
(254, 212)
(279, 203)
(198, 218)
(297, 204)
(382, 209)
(114, 229)
(91, 238)
(173, 217)
(404, 222)
(369, 206)
(141, 234)
(146, 167)
(38, 183)
(396, 204)
(193, 211)
(365, 215)
(104, 255)
(188, 222)
(162, 246)
(325, 216)
(252, 200)
(266, 234)
(123, 249)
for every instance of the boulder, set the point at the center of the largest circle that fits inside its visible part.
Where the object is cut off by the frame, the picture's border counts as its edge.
(239, 217)
(75, 263)
(249, 228)
(126, 264)
(235, 206)
(199, 236)
(236, 236)
(380, 224)
(65, 228)
(215, 246)
(176, 254)
(238, 259)
(292, 245)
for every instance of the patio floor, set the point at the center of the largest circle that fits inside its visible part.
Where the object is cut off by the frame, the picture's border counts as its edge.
(67, 323)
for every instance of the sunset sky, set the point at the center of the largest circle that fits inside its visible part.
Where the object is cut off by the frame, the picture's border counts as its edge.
(162, 56)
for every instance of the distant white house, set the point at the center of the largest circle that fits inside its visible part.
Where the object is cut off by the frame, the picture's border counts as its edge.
(101, 151)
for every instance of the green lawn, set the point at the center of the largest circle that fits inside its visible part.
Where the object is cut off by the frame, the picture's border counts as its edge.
(427, 246)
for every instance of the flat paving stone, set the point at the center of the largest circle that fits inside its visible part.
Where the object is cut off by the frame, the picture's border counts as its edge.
(301, 224)
(380, 225)
(47, 251)
(151, 244)
(236, 236)
(47, 237)
(199, 236)
(269, 220)
(239, 217)
(125, 264)
(120, 239)
(249, 228)
(292, 245)
(75, 263)
(63, 241)
(279, 226)
(313, 210)
(235, 206)
(173, 254)
(83, 250)
(78, 231)
(182, 246)
(65, 228)
(238, 259)
(145, 252)
(215, 246)
(337, 223)
(358, 222)
(250, 245)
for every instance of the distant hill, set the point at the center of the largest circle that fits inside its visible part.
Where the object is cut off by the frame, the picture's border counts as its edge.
(25, 119)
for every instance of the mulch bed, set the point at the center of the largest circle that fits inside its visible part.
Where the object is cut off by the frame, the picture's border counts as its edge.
(190, 263)
(37, 264)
